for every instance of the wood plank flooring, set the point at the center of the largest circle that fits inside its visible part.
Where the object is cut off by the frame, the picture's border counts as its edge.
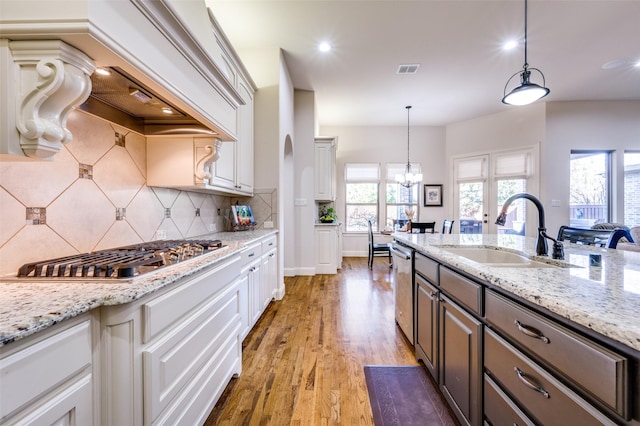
(303, 362)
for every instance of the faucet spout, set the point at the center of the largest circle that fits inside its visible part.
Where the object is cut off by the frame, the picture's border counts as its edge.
(541, 242)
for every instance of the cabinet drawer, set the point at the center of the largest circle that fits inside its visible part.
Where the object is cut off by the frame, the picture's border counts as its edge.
(464, 290)
(567, 352)
(42, 367)
(499, 409)
(427, 268)
(251, 253)
(171, 363)
(269, 244)
(548, 400)
(167, 309)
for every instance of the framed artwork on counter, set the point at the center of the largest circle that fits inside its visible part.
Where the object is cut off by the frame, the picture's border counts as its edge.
(432, 196)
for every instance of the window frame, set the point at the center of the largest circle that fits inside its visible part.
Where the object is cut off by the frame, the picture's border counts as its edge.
(609, 202)
(354, 179)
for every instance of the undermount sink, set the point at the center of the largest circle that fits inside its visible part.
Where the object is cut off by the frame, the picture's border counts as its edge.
(500, 258)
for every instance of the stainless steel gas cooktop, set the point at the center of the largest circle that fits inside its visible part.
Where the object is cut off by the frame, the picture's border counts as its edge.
(120, 262)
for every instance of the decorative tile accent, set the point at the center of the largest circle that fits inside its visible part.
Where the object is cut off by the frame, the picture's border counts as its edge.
(121, 213)
(198, 212)
(167, 213)
(36, 216)
(85, 171)
(119, 139)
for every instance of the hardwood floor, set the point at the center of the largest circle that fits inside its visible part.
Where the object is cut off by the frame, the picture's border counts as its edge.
(303, 362)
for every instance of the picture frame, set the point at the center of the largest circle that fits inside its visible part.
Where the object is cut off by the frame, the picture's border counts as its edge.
(432, 195)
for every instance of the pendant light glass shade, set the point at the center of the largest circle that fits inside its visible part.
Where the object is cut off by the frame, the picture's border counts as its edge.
(408, 179)
(527, 92)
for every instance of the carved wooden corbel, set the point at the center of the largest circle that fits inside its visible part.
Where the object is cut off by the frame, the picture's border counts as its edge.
(52, 79)
(203, 162)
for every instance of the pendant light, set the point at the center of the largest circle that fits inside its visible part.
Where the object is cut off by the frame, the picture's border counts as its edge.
(408, 179)
(527, 92)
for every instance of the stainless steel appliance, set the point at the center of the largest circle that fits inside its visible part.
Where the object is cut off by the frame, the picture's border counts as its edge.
(120, 262)
(402, 279)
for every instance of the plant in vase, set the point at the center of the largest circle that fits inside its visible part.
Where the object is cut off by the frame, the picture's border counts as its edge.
(328, 215)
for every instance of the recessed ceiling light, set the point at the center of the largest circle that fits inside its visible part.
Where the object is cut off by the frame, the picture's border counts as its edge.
(637, 64)
(324, 46)
(613, 64)
(509, 45)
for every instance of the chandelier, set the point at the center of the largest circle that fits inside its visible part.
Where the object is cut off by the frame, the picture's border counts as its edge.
(527, 92)
(408, 179)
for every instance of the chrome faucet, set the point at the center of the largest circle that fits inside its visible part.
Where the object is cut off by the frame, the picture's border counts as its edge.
(541, 242)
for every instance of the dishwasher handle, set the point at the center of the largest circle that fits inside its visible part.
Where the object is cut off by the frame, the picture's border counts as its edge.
(401, 253)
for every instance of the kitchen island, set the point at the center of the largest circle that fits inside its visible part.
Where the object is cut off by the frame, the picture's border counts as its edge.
(517, 338)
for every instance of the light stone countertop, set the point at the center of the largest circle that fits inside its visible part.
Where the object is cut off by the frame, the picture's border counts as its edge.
(604, 299)
(28, 306)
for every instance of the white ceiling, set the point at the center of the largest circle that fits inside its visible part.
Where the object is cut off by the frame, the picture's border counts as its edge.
(458, 44)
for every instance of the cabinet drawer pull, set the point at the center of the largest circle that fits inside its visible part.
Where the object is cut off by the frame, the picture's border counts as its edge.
(532, 332)
(530, 382)
(251, 254)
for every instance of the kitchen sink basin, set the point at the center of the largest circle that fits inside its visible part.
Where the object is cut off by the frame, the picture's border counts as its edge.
(501, 258)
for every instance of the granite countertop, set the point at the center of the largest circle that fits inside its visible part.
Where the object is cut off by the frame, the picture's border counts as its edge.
(605, 299)
(28, 306)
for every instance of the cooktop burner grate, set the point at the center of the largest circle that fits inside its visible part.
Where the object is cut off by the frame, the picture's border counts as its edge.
(121, 262)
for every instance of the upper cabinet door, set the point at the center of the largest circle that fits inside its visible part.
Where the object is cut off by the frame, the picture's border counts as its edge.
(325, 169)
(244, 177)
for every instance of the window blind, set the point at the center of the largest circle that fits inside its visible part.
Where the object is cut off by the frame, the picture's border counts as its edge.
(470, 169)
(362, 172)
(512, 165)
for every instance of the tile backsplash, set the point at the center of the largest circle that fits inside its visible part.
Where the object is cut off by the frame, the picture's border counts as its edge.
(112, 207)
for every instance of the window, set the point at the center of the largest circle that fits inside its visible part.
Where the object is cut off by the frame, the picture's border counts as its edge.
(361, 193)
(482, 185)
(511, 172)
(364, 201)
(589, 185)
(401, 202)
(632, 188)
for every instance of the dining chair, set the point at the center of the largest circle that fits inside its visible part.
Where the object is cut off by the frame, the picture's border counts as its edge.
(423, 227)
(447, 226)
(376, 249)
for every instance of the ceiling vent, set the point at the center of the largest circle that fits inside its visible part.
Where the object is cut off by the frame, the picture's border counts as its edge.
(408, 69)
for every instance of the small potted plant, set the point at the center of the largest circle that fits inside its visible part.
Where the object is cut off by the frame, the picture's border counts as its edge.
(328, 215)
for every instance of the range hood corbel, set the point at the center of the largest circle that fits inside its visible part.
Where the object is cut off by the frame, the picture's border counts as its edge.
(52, 78)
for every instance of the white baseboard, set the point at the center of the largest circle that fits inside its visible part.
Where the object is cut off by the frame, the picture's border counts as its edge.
(294, 272)
(355, 253)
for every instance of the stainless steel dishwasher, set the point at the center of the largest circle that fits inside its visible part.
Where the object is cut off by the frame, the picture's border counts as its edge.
(402, 281)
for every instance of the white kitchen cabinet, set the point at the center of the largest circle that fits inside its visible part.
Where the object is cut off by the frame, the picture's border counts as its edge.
(168, 357)
(49, 379)
(233, 171)
(269, 269)
(252, 262)
(327, 243)
(325, 168)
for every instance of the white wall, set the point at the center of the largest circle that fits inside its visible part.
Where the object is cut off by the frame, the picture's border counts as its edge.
(284, 168)
(304, 176)
(611, 126)
(388, 144)
(559, 127)
(273, 126)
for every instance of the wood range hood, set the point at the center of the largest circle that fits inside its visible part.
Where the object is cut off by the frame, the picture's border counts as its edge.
(161, 54)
